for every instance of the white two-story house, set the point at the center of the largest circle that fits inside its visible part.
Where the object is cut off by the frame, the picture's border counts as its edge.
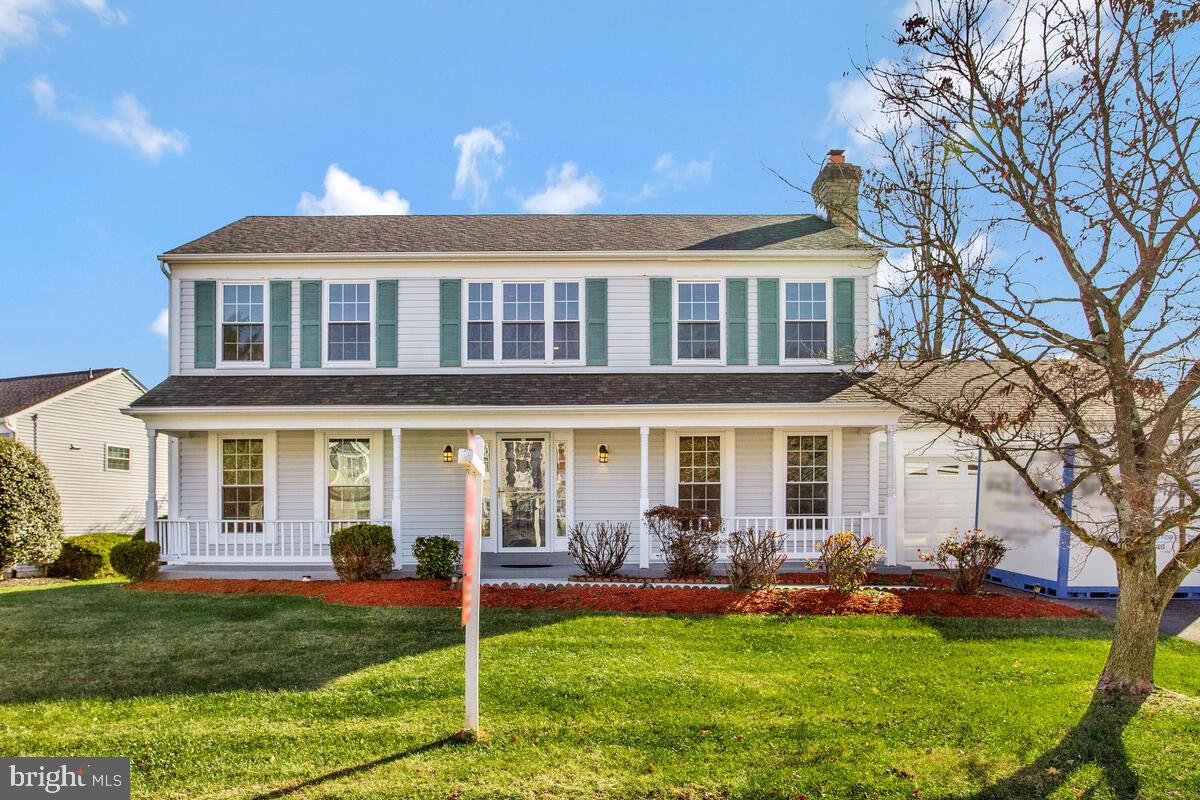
(327, 369)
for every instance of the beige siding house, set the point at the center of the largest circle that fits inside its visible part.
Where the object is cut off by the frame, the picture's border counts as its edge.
(96, 454)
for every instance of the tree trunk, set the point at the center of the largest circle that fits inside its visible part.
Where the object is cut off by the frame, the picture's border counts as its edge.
(1129, 669)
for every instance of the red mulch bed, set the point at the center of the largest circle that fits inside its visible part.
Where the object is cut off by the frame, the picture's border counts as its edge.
(924, 602)
(785, 579)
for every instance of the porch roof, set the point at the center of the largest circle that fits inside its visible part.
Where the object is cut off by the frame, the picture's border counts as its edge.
(577, 389)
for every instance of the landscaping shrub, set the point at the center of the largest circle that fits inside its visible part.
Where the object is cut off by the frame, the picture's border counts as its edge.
(847, 559)
(689, 539)
(30, 514)
(754, 559)
(362, 552)
(968, 559)
(136, 559)
(437, 557)
(601, 549)
(88, 556)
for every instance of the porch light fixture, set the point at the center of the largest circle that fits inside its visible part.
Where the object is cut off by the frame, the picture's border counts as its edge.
(602, 454)
(448, 455)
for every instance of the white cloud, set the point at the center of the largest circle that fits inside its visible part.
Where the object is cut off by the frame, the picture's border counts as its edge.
(22, 21)
(345, 194)
(565, 192)
(479, 150)
(674, 175)
(128, 125)
(160, 326)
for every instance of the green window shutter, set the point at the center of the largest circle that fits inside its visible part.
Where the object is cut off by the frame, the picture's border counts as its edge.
(768, 320)
(660, 321)
(843, 320)
(281, 324)
(596, 310)
(451, 322)
(736, 321)
(310, 323)
(385, 323)
(205, 340)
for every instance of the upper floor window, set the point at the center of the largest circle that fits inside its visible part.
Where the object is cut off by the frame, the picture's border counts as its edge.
(523, 320)
(349, 322)
(116, 459)
(566, 321)
(699, 321)
(242, 322)
(806, 321)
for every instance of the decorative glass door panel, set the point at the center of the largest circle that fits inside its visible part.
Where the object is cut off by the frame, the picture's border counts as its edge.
(521, 492)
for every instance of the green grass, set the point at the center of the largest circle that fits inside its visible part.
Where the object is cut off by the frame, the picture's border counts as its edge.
(223, 696)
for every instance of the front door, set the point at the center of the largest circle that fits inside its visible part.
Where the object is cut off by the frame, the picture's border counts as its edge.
(521, 492)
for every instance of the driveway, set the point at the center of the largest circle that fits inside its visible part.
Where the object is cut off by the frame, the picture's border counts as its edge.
(1182, 617)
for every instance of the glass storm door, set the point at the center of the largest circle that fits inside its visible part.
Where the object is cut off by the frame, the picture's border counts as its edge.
(521, 492)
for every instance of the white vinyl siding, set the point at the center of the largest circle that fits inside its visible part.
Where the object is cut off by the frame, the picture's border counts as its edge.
(294, 451)
(193, 476)
(610, 492)
(628, 322)
(418, 324)
(861, 318)
(855, 456)
(752, 474)
(187, 325)
(431, 491)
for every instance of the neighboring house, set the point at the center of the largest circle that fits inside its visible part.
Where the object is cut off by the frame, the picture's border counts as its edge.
(96, 454)
(326, 369)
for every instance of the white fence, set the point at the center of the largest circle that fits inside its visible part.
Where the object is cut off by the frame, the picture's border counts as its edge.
(801, 537)
(231, 541)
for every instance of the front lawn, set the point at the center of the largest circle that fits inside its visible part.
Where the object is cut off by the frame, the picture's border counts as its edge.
(246, 696)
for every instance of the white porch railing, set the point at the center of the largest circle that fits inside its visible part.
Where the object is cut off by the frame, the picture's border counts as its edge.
(230, 541)
(801, 537)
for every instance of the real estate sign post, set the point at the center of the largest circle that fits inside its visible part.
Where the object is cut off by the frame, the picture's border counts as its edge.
(470, 458)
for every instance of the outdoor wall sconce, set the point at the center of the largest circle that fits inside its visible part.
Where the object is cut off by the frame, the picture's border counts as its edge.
(602, 454)
(448, 455)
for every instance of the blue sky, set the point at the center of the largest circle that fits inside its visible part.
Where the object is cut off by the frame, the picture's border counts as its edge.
(130, 127)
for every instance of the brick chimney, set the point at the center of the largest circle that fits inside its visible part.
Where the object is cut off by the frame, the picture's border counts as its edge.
(836, 191)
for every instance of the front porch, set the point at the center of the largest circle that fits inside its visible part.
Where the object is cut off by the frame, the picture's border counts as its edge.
(246, 491)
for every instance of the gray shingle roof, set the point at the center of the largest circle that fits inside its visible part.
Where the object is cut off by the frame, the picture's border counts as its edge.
(568, 389)
(28, 390)
(498, 233)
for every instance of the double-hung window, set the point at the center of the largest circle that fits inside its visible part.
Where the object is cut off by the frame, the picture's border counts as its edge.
(481, 339)
(242, 338)
(116, 459)
(349, 322)
(531, 314)
(699, 321)
(806, 321)
(700, 473)
(242, 485)
(524, 328)
(349, 478)
(807, 476)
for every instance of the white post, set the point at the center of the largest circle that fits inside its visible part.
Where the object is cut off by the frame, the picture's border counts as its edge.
(644, 501)
(151, 484)
(893, 459)
(397, 536)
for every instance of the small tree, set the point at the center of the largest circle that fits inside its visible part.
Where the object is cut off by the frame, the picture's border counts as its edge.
(30, 514)
(847, 559)
(968, 558)
(690, 540)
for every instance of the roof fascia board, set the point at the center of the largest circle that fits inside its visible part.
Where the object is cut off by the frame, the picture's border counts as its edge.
(847, 255)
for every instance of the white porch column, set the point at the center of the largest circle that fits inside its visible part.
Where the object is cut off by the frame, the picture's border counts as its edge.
(644, 500)
(397, 535)
(151, 484)
(893, 505)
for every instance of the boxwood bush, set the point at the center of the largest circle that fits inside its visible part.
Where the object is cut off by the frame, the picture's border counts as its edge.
(136, 559)
(88, 556)
(437, 557)
(30, 515)
(362, 552)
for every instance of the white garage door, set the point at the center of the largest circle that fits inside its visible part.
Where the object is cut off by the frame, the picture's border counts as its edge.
(939, 498)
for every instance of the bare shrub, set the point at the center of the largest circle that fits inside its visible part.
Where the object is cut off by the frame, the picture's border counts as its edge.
(754, 559)
(969, 559)
(689, 539)
(847, 559)
(601, 549)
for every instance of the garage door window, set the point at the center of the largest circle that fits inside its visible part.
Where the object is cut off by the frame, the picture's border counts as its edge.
(807, 476)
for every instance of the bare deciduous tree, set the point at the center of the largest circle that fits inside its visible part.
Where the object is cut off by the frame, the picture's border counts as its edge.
(1041, 163)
